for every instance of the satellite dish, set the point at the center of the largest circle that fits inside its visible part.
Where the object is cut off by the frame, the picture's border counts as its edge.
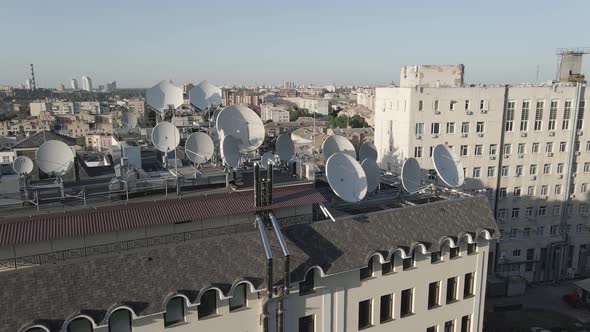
(368, 150)
(55, 158)
(373, 173)
(284, 147)
(267, 158)
(205, 95)
(199, 148)
(243, 124)
(22, 165)
(411, 176)
(337, 143)
(162, 95)
(230, 152)
(346, 177)
(448, 166)
(165, 137)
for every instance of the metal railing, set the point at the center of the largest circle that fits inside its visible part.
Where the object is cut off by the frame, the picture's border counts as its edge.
(123, 246)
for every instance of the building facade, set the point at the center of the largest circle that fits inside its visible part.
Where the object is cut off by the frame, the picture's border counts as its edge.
(274, 115)
(86, 83)
(526, 145)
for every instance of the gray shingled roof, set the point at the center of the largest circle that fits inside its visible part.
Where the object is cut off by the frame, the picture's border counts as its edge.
(143, 279)
(39, 138)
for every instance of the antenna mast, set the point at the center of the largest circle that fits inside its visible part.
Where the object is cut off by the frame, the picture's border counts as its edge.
(33, 84)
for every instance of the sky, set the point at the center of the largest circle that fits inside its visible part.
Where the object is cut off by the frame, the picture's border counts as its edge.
(138, 43)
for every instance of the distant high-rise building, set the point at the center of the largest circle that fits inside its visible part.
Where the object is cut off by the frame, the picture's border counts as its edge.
(29, 84)
(61, 87)
(74, 84)
(86, 83)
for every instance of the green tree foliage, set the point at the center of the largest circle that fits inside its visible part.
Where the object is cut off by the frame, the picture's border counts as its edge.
(9, 116)
(296, 112)
(343, 121)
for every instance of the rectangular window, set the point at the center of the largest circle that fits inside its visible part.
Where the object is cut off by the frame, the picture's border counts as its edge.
(491, 171)
(407, 263)
(420, 105)
(478, 150)
(553, 230)
(580, 123)
(547, 169)
(505, 170)
(517, 192)
(539, 115)
(435, 257)
(519, 170)
(450, 127)
(479, 127)
(306, 324)
(507, 148)
(562, 146)
(450, 326)
(515, 213)
(583, 209)
(544, 190)
(407, 302)
(501, 217)
(367, 272)
(527, 232)
(557, 189)
(435, 106)
(535, 148)
(533, 169)
(509, 124)
(432, 329)
(542, 210)
(549, 147)
(386, 310)
(567, 112)
(365, 312)
(521, 148)
(468, 288)
(493, 149)
(451, 290)
(208, 305)
(560, 168)
(453, 105)
(465, 128)
(435, 128)
(467, 105)
(476, 172)
(482, 105)
(466, 324)
(433, 294)
(238, 300)
(419, 128)
(418, 152)
(556, 210)
(464, 150)
(454, 252)
(531, 191)
(503, 192)
(174, 312)
(552, 114)
(524, 120)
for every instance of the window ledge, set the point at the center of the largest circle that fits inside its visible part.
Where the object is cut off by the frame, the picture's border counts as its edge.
(306, 292)
(369, 278)
(209, 317)
(472, 254)
(436, 306)
(173, 325)
(466, 297)
(457, 257)
(410, 268)
(238, 309)
(407, 315)
(388, 320)
(366, 327)
(437, 262)
(453, 301)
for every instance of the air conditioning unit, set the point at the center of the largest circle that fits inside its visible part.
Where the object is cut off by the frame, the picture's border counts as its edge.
(436, 112)
(521, 156)
(578, 153)
(533, 178)
(484, 111)
(573, 196)
(551, 133)
(549, 154)
(464, 135)
(469, 113)
(560, 176)
(517, 175)
(579, 132)
(506, 156)
(480, 134)
(522, 134)
(492, 157)
(418, 136)
(434, 135)
(545, 197)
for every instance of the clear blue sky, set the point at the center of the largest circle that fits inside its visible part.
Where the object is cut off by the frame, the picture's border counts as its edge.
(139, 43)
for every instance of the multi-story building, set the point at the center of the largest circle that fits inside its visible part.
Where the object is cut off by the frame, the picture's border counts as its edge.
(366, 97)
(138, 106)
(527, 145)
(74, 84)
(37, 107)
(23, 127)
(274, 114)
(313, 105)
(86, 83)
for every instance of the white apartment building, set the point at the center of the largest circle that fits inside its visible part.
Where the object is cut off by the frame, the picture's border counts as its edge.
(86, 83)
(527, 145)
(274, 115)
(313, 105)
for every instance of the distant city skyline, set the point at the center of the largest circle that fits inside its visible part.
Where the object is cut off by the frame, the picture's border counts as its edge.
(138, 43)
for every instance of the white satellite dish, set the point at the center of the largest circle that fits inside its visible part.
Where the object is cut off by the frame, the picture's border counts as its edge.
(267, 158)
(230, 152)
(243, 124)
(165, 137)
(448, 166)
(411, 176)
(373, 173)
(346, 177)
(199, 147)
(205, 95)
(284, 147)
(55, 158)
(22, 165)
(368, 150)
(162, 95)
(337, 143)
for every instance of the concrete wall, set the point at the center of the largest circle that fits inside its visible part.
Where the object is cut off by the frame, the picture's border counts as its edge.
(432, 76)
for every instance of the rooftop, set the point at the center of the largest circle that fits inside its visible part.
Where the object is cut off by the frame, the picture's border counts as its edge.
(39, 138)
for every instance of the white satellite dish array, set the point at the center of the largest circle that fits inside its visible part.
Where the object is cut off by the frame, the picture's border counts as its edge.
(55, 158)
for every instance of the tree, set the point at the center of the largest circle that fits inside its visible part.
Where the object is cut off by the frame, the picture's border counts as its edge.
(344, 121)
(296, 112)
(81, 141)
(358, 121)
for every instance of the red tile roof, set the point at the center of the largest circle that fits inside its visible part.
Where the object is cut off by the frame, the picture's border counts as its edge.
(170, 211)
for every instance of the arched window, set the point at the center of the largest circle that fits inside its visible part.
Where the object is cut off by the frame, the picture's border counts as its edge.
(80, 324)
(307, 285)
(208, 305)
(367, 272)
(174, 312)
(120, 321)
(239, 298)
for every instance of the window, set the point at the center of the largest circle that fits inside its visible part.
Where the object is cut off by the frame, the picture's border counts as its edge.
(365, 312)
(419, 128)
(466, 324)
(449, 326)
(435, 106)
(509, 124)
(552, 114)
(433, 294)
(527, 232)
(471, 248)
(583, 209)
(435, 128)
(540, 231)
(367, 272)
(451, 290)
(501, 215)
(538, 114)
(493, 149)
(535, 148)
(408, 263)
(516, 253)
(560, 168)
(542, 210)
(306, 324)
(465, 128)
(562, 146)
(468, 288)
(407, 302)
(482, 104)
(386, 310)
(435, 257)
(239, 298)
(476, 172)
(557, 189)
(174, 311)
(515, 213)
(553, 230)
(208, 305)
(513, 233)
(432, 329)
(549, 147)
(420, 105)
(450, 127)
(505, 170)
(518, 170)
(454, 252)
(453, 105)
(491, 171)
(567, 112)
(464, 150)
(533, 169)
(507, 148)
(586, 167)
(77, 325)
(530, 255)
(418, 152)
(580, 123)
(120, 321)
(521, 148)
(517, 191)
(478, 150)
(307, 285)
(544, 190)
(556, 210)
(529, 212)
(531, 191)
(524, 119)
(503, 192)
(579, 228)
(547, 169)
(467, 105)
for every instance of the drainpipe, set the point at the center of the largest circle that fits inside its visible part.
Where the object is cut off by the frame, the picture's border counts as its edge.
(287, 274)
(269, 281)
(498, 177)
